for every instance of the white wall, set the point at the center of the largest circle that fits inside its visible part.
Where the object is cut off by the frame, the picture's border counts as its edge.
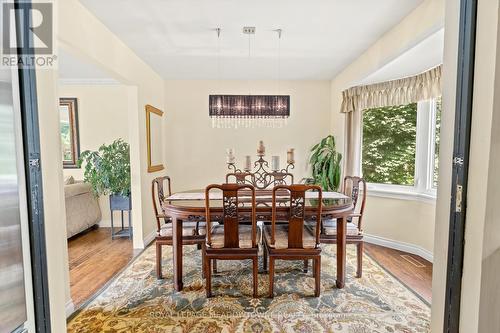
(196, 152)
(102, 118)
(406, 221)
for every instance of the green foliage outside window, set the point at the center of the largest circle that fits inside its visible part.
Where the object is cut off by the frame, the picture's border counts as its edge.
(389, 144)
(437, 135)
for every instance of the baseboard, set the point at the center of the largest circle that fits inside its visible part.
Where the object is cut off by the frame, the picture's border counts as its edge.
(107, 223)
(70, 308)
(401, 246)
(149, 238)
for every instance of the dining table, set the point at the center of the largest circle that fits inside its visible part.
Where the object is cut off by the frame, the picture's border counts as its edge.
(189, 206)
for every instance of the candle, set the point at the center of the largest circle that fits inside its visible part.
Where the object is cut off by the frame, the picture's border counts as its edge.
(230, 156)
(275, 163)
(290, 159)
(248, 163)
(261, 150)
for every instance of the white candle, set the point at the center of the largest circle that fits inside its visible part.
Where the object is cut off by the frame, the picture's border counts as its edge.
(290, 158)
(261, 150)
(230, 156)
(276, 163)
(248, 163)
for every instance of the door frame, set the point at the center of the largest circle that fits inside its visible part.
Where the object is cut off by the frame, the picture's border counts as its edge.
(458, 207)
(34, 188)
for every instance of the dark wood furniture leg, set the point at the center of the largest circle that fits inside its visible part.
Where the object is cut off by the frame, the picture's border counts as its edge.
(158, 260)
(208, 276)
(317, 276)
(306, 265)
(359, 249)
(255, 276)
(271, 277)
(177, 252)
(341, 251)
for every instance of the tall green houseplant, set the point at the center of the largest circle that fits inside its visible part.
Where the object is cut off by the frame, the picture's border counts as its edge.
(107, 170)
(325, 164)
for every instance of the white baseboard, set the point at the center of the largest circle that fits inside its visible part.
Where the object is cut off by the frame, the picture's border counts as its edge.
(149, 238)
(107, 223)
(401, 246)
(70, 308)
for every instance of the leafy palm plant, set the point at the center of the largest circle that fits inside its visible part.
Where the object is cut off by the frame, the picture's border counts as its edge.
(108, 169)
(325, 163)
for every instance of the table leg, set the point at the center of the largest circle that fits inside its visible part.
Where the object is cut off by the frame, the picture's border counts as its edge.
(341, 251)
(177, 252)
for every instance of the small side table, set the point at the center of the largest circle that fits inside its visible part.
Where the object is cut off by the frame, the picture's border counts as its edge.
(121, 204)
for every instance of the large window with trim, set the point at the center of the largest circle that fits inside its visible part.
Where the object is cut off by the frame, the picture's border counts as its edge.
(400, 147)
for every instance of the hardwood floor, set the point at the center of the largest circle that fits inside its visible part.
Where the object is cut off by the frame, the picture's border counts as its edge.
(93, 260)
(414, 271)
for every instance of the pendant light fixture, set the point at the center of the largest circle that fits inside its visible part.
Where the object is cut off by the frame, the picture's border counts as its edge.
(233, 111)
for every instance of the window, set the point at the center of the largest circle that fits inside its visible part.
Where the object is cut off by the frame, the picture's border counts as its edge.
(68, 118)
(401, 148)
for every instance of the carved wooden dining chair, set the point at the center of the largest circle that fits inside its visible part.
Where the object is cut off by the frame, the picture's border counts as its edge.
(352, 186)
(230, 240)
(192, 232)
(293, 241)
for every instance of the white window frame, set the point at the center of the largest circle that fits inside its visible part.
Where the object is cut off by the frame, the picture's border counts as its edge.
(423, 189)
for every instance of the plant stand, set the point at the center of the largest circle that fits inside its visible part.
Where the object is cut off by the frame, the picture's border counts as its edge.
(121, 204)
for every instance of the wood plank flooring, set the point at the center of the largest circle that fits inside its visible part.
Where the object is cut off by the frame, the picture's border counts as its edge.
(414, 271)
(94, 259)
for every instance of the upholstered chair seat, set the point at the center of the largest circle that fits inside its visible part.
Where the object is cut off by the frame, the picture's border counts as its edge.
(244, 233)
(188, 229)
(281, 237)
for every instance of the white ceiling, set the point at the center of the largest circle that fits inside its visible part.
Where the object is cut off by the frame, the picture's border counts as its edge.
(320, 37)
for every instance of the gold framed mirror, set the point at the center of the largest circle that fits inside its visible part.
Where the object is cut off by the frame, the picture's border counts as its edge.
(154, 138)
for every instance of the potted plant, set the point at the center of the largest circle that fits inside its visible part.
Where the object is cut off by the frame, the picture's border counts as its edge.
(107, 170)
(325, 164)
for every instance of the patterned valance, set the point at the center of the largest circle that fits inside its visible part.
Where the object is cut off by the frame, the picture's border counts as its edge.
(407, 90)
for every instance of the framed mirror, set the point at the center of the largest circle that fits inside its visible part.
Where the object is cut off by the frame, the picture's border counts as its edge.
(68, 127)
(154, 138)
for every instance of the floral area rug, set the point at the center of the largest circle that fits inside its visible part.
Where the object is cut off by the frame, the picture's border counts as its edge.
(137, 302)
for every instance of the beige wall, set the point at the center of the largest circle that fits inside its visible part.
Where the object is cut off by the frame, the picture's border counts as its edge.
(196, 152)
(415, 228)
(53, 199)
(409, 223)
(480, 293)
(449, 81)
(102, 118)
(84, 36)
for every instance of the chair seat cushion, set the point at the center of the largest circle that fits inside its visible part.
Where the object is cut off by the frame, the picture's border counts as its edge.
(245, 235)
(188, 229)
(330, 228)
(281, 237)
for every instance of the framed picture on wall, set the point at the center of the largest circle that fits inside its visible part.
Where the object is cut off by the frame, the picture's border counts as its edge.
(68, 126)
(154, 138)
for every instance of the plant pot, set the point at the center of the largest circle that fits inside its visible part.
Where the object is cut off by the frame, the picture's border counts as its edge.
(120, 202)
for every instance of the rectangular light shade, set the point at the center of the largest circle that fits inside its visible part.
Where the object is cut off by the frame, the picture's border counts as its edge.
(249, 106)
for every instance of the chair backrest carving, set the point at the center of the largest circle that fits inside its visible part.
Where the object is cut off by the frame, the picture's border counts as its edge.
(297, 213)
(158, 196)
(353, 185)
(230, 213)
(261, 180)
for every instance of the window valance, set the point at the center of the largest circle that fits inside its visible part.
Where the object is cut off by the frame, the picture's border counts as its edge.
(407, 90)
